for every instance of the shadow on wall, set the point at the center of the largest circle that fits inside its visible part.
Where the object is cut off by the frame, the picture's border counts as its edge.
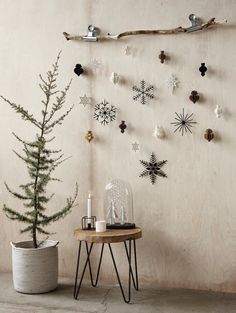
(166, 263)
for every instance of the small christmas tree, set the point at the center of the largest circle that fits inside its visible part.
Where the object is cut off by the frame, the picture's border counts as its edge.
(112, 214)
(123, 217)
(40, 160)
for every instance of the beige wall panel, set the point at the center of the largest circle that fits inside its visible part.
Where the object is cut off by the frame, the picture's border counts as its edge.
(188, 219)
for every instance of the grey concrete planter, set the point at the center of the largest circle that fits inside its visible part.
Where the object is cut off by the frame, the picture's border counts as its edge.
(35, 270)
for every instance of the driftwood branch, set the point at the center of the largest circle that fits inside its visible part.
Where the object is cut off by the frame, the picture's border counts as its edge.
(210, 23)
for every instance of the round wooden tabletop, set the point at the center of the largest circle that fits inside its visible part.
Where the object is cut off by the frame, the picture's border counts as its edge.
(109, 236)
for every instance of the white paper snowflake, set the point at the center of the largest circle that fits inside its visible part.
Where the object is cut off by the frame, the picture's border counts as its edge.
(85, 100)
(128, 50)
(172, 82)
(95, 65)
(135, 146)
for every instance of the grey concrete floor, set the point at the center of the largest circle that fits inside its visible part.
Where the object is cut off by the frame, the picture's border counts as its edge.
(109, 299)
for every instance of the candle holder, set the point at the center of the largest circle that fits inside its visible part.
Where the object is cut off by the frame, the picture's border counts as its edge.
(88, 223)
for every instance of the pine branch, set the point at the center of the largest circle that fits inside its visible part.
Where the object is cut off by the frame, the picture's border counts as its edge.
(59, 102)
(29, 192)
(47, 132)
(59, 120)
(60, 162)
(24, 113)
(44, 199)
(16, 194)
(43, 183)
(50, 140)
(62, 213)
(44, 180)
(26, 160)
(31, 153)
(43, 81)
(42, 231)
(30, 144)
(31, 204)
(13, 215)
(43, 216)
(27, 229)
(51, 161)
(48, 151)
(26, 185)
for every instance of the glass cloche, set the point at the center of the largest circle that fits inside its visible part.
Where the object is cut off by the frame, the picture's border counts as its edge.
(118, 205)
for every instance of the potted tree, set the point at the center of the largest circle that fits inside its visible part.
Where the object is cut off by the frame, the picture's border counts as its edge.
(35, 262)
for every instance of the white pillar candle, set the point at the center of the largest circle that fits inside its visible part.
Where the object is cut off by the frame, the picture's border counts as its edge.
(100, 226)
(89, 206)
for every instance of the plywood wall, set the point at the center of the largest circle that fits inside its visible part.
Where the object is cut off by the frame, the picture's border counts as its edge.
(188, 219)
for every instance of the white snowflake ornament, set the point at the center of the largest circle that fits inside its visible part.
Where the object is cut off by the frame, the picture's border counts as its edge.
(95, 65)
(218, 111)
(85, 100)
(135, 146)
(172, 82)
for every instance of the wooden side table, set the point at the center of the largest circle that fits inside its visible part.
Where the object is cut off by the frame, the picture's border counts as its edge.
(90, 237)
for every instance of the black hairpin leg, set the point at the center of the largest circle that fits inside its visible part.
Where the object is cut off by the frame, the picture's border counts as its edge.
(136, 265)
(129, 256)
(128, 249)
(135, 280)
(99, 266)
(87, 262)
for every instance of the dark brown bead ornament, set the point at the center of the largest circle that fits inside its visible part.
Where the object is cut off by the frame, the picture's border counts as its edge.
(122, 126)
(209, 134)
(203, 69)
(162, 56)
(194, 97)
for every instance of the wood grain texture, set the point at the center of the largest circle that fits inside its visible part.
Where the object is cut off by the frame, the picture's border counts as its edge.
(109, 236)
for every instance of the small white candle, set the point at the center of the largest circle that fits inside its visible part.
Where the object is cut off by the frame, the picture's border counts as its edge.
(89, 206)
(100, 226)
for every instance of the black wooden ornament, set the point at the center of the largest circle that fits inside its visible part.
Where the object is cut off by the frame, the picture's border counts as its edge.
(78, 69)
(194, 97)
(122, 126)
(203, 69)
(162, 56)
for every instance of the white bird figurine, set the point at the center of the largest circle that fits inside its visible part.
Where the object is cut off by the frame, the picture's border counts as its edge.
(218, 111)
(115, 78)
(159, 132)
